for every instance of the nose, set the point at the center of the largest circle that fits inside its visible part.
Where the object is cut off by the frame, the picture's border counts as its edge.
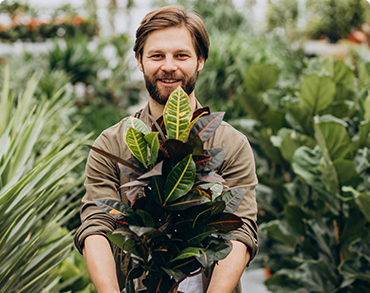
(169, 65)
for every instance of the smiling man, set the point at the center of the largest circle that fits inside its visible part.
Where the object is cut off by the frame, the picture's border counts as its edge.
(171, 48)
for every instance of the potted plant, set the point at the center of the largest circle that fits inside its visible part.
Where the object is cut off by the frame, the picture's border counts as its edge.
(180, 214)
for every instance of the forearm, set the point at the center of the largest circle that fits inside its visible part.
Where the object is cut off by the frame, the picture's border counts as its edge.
(228, 271)
(100, 264)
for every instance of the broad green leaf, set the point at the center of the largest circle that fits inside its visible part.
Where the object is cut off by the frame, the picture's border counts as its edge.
(137, 145)
(347, 173)
(177, 113)
(114, 208)
(146, 217)
(332, 137)
(289, 140)
(364, 134)
(260, 77)
(211, 178)
(186, 202)
(201, 161)
(223, 253)
(196, 235)
(317, 92)
(366, 106)
(206, 257)
(156, 171)
(117, 239)
(153, 142)
(217, 157)
(232, 199)
(186, 253)
(216, 189)
(133, 168)
(277, 231)
(140, 231)
(340, 72)
(136, 124)
(305, 163)
(185, 135)
(180, 180)
(363, 202)
(157, 190)
(176, 149)
(225, 222)
(206, 126)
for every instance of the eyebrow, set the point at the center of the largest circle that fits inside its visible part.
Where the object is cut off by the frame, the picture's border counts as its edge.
(157, 51)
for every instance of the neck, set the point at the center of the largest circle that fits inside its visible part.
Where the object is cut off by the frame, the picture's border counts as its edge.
(156, 109)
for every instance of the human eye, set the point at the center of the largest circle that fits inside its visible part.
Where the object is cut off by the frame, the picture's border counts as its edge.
(183, 56)
(155, 56)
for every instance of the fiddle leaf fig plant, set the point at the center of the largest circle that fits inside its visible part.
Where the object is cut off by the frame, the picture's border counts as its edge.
(180, 212)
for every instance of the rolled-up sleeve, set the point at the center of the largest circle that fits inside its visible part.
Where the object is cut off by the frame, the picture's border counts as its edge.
(102, 181)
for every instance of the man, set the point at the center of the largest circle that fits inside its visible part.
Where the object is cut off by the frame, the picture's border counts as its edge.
(171, 49)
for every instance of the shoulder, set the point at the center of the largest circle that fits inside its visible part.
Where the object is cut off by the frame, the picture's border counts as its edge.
(228, 137)
(111, 139)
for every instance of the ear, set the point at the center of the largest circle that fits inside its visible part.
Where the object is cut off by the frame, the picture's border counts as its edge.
(200, 64)
(139, 63)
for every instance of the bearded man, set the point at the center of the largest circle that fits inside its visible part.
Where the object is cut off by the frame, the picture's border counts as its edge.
(171, 48)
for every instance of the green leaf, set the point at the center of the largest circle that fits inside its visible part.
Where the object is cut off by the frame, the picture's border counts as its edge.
(363, 202)
(225, 222)
(186, 202)
(217, 157)
(180, 180)
(206, 257)
(289, 140)
(196, 235)
(117, 239)
(347, 173)
(114, 208)
(140, 231)
(305, 163)
(277, 231)
(232, 199)
(157, 190)
(364, 134)
(177, 113)
(206, 126)
(185, 135)
(332, 137)
(146, 217)
(153, 142)
(186, 253)
(216, 189)
(156, 171)
(132, 167)
(176, 149)
(136, 124)
(260, 77)
(137, 145)
(317, 92)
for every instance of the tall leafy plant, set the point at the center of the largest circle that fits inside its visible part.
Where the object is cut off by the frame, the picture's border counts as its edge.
(312, 144)
(37, 156)
(178, 226)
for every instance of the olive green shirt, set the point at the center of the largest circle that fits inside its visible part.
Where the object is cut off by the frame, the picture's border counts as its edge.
(103, 178)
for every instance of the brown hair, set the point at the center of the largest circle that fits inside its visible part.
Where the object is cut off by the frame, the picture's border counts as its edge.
(173, 16)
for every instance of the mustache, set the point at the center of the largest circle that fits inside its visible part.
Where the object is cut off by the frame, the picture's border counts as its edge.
(168, 76)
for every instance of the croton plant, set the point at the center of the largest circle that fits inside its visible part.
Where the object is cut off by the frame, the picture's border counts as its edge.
(180, 211)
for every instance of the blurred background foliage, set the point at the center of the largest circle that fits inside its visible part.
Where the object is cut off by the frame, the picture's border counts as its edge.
(295, 82)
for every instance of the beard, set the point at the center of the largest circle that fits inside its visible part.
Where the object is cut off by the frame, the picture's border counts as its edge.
(161, 96)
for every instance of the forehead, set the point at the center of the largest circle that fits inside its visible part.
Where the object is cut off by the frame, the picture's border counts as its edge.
(169, 39)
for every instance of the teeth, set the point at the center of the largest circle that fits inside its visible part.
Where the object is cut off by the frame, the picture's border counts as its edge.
(169, 80)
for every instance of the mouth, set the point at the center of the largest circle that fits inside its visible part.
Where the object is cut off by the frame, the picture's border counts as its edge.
(169, 82)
